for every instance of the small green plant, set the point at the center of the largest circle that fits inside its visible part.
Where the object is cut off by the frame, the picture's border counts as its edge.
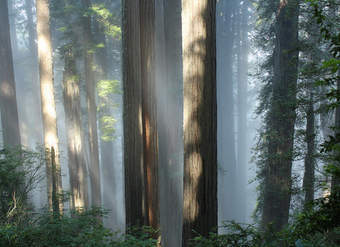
(20, 171)
(235, 235)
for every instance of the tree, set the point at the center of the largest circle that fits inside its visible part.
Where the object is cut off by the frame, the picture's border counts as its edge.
(48, 104)
(13, 26)
(105, 89)
(149, 110)
(75, 138)
(309, 176)
(9, 111)
(199, 83)
(280, 119)
(91, 105)
(132, 108)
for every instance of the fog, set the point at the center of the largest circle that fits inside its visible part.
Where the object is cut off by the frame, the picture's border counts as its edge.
(236, 102)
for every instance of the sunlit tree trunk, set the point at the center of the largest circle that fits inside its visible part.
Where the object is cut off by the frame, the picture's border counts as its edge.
(75, 139)
(199, 122)
(309, 176)
(132, 110)
(47, 98)
(226, 154)
(91, 107)
(281, 118)
(8, 102)
(149, 114)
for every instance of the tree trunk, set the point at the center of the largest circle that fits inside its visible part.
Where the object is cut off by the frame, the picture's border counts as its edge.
(13, 30)
(149, 114)
(91, 108)
(30, 27)
(132, 110)
(281, 118)
(309, 176)
(47, 96)
(75, 138)
(335, 183)
(8, 102)
(200, 156)
(106, 140)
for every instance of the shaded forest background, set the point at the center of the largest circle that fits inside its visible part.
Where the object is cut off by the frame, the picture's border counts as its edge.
(169, 123)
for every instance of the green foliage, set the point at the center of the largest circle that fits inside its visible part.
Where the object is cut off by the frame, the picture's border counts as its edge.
(81, 229)
(316, 226)
(106, 90)
(21, 227)
(108, 87)
(237, 235)
(136, 236)
(19, 173)
(108, 21)
(108, 128)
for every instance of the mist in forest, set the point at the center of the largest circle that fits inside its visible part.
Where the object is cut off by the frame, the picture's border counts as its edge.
(234, 192)
(179, 115)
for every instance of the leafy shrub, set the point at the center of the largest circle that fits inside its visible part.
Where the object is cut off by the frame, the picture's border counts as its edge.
(80, 229)
(19, 173)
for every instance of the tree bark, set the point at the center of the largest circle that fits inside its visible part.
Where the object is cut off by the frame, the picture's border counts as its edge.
(75, 138)
(335, 183)
(91, 108)
(9, 111)
(200, 155)
(47, 96)
(13, 31)
(309, 176)
(132, 110)
(149, 110)
(281, 118)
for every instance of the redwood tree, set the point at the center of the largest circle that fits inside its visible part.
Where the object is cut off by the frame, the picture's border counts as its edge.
(8, 102)
(199, 122)
(48, 103)
(132, 110)
(280, 120)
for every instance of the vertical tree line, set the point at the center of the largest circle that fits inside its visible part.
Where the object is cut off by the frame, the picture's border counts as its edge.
(48, 107)
(9, 111)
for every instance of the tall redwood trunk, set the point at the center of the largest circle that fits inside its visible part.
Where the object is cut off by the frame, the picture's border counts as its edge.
(132, 110)
(199, 82)
(47, 100)
(335, 183)
(281, 118)
(309, 175)
(91, 107)
(8, 102)
(75, 138)
(149, 114)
